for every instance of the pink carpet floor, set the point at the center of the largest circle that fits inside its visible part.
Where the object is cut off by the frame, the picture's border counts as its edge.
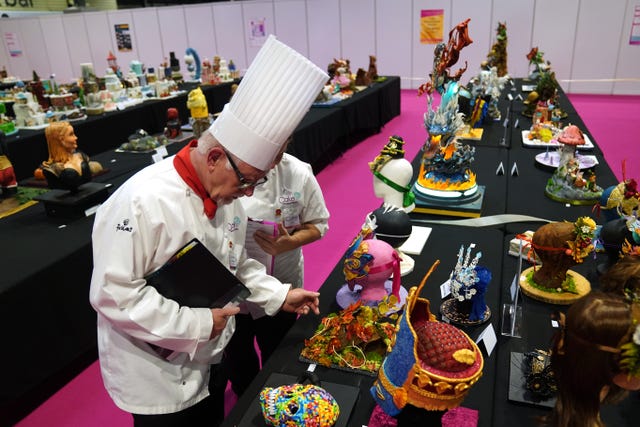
(347, 187)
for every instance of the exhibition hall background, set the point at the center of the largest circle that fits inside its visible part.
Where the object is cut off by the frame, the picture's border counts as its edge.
(586, 41)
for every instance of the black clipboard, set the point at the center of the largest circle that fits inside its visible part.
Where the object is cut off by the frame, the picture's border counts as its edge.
(194, 277)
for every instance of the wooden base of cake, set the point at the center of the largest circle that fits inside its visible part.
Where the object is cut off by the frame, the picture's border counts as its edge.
(583, 287)
(470, 207)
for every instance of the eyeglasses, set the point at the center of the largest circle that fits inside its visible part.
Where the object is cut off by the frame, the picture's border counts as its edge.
(244, 183)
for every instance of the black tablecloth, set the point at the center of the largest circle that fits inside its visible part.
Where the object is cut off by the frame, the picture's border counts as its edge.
(48, 326)
(522, 193)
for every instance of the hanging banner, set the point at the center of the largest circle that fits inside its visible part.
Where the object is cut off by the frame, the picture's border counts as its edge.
(431, 26)
(13, 44)
(635, 26)
(123, 37)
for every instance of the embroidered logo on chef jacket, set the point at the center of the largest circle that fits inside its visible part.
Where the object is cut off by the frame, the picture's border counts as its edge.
(124, 226)
(288, 197)
(233, 226)
(290, 207)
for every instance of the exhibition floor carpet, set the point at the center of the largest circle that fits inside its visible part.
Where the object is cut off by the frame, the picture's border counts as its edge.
(347, 187)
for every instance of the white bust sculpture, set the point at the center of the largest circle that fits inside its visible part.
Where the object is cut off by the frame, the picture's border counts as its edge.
(392, 175)
(398, 171)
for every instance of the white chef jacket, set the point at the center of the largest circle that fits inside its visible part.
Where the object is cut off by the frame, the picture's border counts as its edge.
(292, 188)
(135, 232)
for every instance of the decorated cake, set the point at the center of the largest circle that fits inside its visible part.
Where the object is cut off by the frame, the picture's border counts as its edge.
(546, 89)
(621, 199)
(559, 246)
(28, 112)
(431, 365)
(173, 127)
(369, 267)
(298, 405)
(497, 56)
(445, 177)
(140, 141)
(354, 339)
(539, 378)
(569, 184)
(341, 80)
(197, 104)
(392, 175)
(468, 283)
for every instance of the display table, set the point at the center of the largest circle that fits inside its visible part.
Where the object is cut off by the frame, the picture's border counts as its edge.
(97, 134)
(48, 325)
(521, 193)
(321, 137)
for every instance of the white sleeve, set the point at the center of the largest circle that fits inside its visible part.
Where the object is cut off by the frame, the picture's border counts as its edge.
(127, 245)
(314, 208)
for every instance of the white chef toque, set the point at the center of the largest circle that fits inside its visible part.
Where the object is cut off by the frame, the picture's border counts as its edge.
(273, 96)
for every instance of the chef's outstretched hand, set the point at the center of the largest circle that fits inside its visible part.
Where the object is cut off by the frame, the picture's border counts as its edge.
(301, 301)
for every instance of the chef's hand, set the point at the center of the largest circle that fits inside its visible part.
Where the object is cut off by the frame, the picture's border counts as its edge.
(275, 245)
(301, 301)
(220, 317)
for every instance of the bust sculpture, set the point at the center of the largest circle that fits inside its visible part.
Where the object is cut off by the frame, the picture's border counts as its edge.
(66, 168)
(370, 264)
(392, 175)
(372, 271)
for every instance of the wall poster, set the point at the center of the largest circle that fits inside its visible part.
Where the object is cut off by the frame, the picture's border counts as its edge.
(13, 44)
(431, 26)
(635, 26)
(123, 37)
(257, 32)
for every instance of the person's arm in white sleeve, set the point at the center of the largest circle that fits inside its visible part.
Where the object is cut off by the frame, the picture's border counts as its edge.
(127, 245)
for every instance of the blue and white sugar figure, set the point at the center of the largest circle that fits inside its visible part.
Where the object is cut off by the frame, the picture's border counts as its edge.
(445, 184)
(468, 284)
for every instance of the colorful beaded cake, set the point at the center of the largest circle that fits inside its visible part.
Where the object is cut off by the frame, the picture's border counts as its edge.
(298, 405)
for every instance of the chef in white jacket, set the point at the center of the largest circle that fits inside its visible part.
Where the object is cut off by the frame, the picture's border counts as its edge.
(159, 359)
(292, 199)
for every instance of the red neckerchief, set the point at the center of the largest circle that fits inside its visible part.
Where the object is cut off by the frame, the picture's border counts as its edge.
(182, 163)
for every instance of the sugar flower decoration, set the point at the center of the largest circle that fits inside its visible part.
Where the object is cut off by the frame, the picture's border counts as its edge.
(582, 246)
